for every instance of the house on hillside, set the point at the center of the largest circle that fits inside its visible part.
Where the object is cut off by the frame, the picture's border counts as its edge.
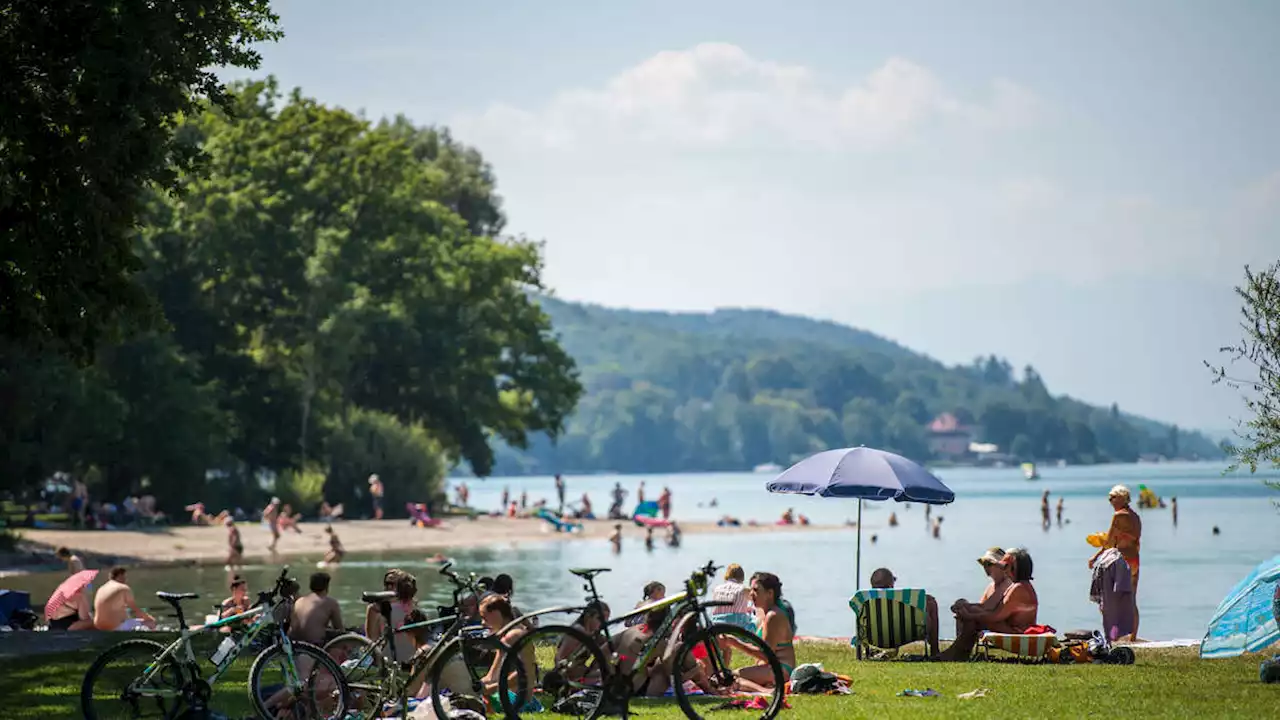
(948, 438)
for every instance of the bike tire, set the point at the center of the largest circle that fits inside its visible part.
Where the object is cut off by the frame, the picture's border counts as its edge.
(457, 646)
(341, 692)
(707, 638)
(526, 687)
(100, 663)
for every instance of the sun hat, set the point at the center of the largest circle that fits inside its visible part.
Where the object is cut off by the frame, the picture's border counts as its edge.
(993, 556)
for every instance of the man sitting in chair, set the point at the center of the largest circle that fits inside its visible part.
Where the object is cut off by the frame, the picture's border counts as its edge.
(883, 579)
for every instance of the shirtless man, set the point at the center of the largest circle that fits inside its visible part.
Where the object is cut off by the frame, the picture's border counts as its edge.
(883, 578)
(376, 492)
(112, 603)
(271, 516)
(315, 614)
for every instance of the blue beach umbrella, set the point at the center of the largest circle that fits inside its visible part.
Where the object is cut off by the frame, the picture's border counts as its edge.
(1246, 621)
(865, 474)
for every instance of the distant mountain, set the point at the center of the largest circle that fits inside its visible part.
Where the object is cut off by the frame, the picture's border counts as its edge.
(735, 388)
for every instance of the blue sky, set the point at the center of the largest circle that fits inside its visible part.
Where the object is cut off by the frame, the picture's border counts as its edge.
(1073, 185)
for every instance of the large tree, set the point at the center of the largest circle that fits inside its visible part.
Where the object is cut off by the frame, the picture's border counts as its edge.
(333, 254)
(1259, 351)
(90, 91)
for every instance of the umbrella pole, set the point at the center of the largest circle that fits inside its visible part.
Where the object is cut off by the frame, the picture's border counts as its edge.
(857, 565)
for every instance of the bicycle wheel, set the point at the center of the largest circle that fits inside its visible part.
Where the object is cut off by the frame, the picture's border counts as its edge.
(111, 687)
(568, 675)
(457, 674)
(702, 653)
(322, 694)
(363, 664)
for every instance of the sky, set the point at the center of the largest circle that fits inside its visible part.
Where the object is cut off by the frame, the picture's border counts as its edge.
(1074, 186)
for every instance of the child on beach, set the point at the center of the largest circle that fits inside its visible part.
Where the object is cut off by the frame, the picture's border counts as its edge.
(336, 551)
(616, 539)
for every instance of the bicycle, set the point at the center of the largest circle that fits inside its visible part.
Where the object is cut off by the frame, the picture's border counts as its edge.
(377, 680)
(583, 678)
(173, 682)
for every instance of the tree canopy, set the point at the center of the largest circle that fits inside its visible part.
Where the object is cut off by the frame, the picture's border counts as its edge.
(337, 303)
(736, 388)
(91, 91)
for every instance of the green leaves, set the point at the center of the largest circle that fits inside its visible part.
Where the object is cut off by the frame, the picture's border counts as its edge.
(90, 90)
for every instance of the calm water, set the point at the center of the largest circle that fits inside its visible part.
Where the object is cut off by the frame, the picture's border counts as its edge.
(1186, 570)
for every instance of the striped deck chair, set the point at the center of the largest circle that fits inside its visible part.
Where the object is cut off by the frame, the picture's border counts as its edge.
(887, 619)
(1031, 647)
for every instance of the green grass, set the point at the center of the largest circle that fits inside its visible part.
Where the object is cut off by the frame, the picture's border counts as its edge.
(1163, 683)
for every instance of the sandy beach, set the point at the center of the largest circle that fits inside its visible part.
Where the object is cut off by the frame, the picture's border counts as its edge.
(209, 544)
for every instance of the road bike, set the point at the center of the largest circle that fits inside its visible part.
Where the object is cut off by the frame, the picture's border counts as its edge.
(171, 683)
(578, 673)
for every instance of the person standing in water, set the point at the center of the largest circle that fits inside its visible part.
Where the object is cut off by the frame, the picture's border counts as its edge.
(1059, 510)
(616, 539)
(1044, 510)
(1173, 506)
(560, 492)
(1125, 535)
(664, 503)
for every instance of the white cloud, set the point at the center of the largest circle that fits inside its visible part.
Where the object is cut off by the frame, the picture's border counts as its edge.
(716, 95)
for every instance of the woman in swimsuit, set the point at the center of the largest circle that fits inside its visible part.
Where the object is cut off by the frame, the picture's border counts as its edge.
(1016, 612)
(1125, 535)
(774, 625)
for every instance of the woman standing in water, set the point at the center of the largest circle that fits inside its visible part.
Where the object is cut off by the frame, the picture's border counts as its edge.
(1125, 535)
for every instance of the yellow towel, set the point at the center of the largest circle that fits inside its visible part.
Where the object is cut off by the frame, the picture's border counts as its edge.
(1097, 539)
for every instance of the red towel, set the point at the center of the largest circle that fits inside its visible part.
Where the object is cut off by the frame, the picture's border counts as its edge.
(1039, 630)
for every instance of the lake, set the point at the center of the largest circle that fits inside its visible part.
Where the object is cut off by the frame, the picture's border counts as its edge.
(1186, 570)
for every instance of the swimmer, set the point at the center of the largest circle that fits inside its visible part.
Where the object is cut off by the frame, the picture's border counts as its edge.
(438, 559)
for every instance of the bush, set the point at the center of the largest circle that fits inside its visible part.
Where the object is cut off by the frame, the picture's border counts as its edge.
(407, 460)
(303, 489)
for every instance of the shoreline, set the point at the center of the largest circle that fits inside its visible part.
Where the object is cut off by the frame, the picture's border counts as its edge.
(205, 545)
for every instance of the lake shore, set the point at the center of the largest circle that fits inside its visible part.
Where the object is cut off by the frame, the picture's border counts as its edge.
(188, 545)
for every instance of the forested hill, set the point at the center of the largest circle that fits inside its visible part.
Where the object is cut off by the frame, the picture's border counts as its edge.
(735, 388)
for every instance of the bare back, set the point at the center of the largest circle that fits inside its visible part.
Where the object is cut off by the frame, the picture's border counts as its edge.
(111, 605)
(313, 615)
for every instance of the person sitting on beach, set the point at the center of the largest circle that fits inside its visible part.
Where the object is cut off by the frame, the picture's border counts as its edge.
(586, 513)
(289, 519)
(372, 616)
(112, 603)
(775, 624)
(336, 551)
(729, 521)
(628, 645)
(788, 517)
(316, 616)
(992, 563)
(884, 579)
(496, 613)
(804, 519)
(1016, 612)
(653, 592)
(329, 513)
(73, 613)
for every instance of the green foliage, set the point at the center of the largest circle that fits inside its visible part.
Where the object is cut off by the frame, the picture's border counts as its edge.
(337, 308)
(736, 388)
(405, 458)
(1259, 349)
(90, 91)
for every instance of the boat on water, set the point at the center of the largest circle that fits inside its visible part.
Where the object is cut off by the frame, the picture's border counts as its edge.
(1029, 471)
(767, 468)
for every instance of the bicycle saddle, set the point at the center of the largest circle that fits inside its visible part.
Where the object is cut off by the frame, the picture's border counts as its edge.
(377, 597)
(175, 597)
(588, 573)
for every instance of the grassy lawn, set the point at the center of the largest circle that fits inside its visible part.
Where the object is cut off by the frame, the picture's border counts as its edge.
(1163, 683)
